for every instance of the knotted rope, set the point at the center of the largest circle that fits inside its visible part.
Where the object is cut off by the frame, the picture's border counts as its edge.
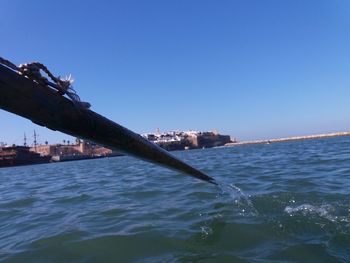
(33, 71)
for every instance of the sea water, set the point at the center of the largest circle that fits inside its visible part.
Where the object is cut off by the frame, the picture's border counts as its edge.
(282, 202)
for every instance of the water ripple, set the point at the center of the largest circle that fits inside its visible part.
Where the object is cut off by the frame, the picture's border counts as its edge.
(276, 203)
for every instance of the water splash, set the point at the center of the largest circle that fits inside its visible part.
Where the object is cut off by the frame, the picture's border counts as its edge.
(231, 204)
(239, 199)
(206, 231)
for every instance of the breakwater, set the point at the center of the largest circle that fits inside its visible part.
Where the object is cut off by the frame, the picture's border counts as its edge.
(287, 139)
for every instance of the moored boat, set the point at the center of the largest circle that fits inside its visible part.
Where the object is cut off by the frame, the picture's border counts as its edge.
(20, 155)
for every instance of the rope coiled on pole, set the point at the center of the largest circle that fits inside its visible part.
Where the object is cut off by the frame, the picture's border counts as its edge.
(33, 71)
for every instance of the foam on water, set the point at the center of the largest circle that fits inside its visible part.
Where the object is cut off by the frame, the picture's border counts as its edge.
(326, 211)
(307, 209)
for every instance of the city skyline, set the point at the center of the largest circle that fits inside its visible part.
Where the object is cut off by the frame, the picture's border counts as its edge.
(251, 69)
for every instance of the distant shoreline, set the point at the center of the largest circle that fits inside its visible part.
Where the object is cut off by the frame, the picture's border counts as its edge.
(287, 139)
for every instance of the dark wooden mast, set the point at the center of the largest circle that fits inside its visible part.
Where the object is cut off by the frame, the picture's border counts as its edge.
(46, 107)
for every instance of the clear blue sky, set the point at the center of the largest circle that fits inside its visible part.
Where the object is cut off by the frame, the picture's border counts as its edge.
(251, 69)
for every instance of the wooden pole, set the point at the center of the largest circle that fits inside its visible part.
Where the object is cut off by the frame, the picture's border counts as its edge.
(44, 106)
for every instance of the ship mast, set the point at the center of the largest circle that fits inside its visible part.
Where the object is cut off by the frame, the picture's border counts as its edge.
(35, 141)
(25, 140)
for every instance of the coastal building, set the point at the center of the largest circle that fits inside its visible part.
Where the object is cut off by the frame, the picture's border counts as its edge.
(173, 140)
(180, 140)
(80, 150)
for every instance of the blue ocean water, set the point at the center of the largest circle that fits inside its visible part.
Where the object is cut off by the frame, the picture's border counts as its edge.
(282, 202)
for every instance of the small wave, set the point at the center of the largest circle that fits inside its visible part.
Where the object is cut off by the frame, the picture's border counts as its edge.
(73, 199)
(19, 203)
